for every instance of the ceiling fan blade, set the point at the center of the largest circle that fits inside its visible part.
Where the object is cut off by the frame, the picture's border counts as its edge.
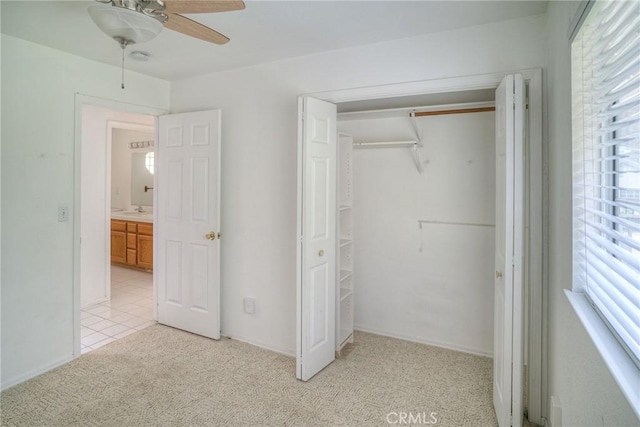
(202, 6)
(194, 29)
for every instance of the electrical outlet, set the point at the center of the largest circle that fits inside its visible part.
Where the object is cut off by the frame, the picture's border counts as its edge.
(249, 305)
(63, 213)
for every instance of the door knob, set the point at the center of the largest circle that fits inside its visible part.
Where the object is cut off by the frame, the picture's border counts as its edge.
(210, 235)
(321, 252)
(498, 274)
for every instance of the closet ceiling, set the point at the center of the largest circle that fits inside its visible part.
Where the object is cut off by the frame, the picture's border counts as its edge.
(265, 31)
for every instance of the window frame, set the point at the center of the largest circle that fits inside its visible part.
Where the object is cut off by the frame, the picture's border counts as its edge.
(619, 358)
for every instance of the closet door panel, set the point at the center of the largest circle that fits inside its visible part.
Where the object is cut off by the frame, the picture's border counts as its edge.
(317, 205)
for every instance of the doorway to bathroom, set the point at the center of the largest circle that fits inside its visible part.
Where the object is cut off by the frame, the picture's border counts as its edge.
(117, 223)
(146, 221)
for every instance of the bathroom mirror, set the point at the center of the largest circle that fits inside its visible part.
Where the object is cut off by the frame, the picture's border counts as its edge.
(142, 165)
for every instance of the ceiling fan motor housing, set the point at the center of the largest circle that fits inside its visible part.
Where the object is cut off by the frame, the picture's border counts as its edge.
(152, 8)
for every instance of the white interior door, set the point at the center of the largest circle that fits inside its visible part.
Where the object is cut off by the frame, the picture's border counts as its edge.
(508, 306)
(187, 264)
(316, 266)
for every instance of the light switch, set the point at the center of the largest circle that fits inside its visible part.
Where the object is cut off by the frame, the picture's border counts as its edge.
(63, 213)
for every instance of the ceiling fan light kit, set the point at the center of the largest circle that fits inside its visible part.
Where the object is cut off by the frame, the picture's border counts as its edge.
(125, 24)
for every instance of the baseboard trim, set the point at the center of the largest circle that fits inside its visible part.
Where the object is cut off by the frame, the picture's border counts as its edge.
(259, 344)
(409, 338)
(35, 372)
(96, 302)
(418, 340)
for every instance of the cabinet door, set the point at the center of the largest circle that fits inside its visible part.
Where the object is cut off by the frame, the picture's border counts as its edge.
(132, 258)
(131, 241)
(118, 246)
(145, 251)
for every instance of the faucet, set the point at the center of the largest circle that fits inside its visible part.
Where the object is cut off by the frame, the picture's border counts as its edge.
(140, 209)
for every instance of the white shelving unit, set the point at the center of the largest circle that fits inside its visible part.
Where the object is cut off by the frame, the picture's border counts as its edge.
(344, 293)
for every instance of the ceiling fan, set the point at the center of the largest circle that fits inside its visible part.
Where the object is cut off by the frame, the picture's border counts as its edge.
(137, 21)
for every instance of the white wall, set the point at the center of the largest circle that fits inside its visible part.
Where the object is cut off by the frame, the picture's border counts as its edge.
(259, 132)
(38, 88)
(95, 278)
(443, 294)
(577, 374)
(121, 165)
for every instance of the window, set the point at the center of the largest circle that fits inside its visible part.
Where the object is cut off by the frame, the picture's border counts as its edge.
(606, 167)
(148, 162)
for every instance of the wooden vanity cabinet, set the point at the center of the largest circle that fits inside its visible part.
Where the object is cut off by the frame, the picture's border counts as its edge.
(145, 246)
(132, 243)
(118, 242)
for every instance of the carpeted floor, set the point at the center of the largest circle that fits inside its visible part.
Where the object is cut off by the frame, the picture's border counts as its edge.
(165, 377)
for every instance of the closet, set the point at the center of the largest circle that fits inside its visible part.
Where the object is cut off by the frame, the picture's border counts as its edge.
(423, 220)
(406, 211)
(427, 210)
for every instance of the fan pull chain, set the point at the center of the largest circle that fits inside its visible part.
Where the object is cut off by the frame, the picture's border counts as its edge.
(123, 47)
(123, 44)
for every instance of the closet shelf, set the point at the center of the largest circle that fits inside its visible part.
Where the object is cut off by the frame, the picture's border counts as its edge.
(344, 286)
(344, 242)
(385, 144)
(415, 145)
(345, 293)
(345, 274)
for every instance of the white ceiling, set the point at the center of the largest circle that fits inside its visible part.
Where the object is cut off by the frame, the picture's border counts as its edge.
(265, 31)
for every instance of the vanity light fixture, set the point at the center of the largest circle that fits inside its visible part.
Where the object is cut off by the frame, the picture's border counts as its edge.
(141, 144)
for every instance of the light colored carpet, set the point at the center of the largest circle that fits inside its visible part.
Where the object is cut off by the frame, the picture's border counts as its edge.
(165, 377)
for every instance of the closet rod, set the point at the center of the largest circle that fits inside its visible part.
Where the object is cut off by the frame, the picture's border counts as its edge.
(385, 143)
(472, 224)
(459, 111)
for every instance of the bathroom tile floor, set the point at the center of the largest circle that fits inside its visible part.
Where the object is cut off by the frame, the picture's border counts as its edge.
(129, 310)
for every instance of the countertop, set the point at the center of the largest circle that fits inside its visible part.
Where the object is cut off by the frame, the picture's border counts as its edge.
(132, 216)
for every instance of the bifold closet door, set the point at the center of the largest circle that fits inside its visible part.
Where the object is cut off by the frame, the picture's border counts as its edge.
(316, 254)
(509, 260)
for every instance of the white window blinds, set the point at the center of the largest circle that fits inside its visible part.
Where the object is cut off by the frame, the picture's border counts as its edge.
(606, 166)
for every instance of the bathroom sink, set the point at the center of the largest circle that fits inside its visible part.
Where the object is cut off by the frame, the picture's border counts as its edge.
(134, 213)
(133, 216)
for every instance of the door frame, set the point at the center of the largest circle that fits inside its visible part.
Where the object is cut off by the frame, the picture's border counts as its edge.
(111, 125)
(80, 101)
(535, 281)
